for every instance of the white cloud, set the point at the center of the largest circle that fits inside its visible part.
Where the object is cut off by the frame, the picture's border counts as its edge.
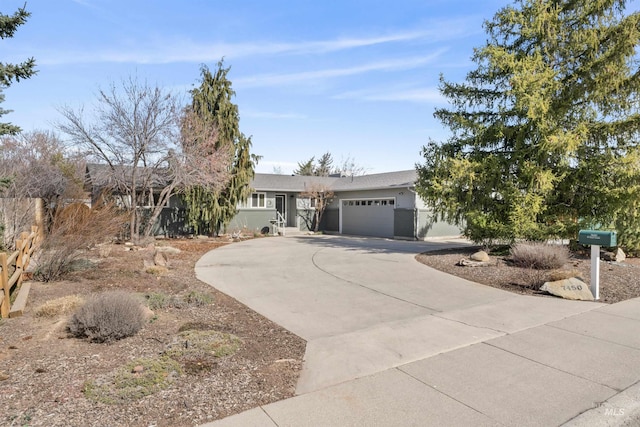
(274, 166)
(305, 76)
(272, 115)
(163, 51)
(419, 95)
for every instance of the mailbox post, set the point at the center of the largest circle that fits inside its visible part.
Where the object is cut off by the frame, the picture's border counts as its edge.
(596, 238)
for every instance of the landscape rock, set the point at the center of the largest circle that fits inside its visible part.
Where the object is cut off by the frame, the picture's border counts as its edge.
(480, 256)
(168, 250)
(470, 263)
(617, 256)
(573, 288)
(160, 259)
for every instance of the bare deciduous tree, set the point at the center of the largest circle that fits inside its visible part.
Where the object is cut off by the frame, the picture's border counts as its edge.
(36, 166)
(134, 131)
(319, 196)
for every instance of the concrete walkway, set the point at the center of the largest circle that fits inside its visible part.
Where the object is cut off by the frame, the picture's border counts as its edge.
(393, 342)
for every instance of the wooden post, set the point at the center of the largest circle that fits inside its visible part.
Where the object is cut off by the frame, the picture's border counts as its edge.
(20, 247)
(4, 281)
(40, 218)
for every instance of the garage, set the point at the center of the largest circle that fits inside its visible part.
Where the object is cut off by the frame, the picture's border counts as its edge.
(367, 217)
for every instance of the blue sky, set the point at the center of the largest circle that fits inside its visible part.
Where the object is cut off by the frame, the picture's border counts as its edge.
(353, 77)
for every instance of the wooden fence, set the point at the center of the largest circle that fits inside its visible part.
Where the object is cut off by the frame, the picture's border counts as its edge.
(13, 271)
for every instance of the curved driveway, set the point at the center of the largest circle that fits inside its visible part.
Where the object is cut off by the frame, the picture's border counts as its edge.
(365, 305)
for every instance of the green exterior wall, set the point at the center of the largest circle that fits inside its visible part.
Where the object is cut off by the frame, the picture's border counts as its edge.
(404, 223)
(254, 220)
(428, 227)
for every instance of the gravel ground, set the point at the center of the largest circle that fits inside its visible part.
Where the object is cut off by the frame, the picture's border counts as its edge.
(618, 281)
(43, 370)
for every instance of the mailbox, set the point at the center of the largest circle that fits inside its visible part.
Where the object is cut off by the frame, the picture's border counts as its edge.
(597, 237)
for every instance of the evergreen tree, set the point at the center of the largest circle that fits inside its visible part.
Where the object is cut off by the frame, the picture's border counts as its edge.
(545, 128)
(209, 210)
(306, 168)
(13, 72)
(323, 167)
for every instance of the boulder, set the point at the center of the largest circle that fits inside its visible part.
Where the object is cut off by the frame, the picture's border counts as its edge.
(480, 256)
(160, 259)
(168, 250)
(573, 288)
(470, 263)
(617, 256)
(620, 255)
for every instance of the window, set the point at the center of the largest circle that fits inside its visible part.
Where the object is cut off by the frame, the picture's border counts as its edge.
(370, 202)
(258, 200)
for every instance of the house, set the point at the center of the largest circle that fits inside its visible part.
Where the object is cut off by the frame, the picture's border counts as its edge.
(380, 205)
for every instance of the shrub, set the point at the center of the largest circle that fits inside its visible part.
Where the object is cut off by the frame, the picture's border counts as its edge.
(108, 317)
(139, 378)
(539, 256)
(198, 299)
(159, 301)
(58, 306)
(75, 229)
(198, 350)
(531, 278)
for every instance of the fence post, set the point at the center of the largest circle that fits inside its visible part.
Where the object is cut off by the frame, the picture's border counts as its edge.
(20, 259)
(4, 281)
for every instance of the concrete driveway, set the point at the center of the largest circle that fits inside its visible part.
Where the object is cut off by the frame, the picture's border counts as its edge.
(365, 305)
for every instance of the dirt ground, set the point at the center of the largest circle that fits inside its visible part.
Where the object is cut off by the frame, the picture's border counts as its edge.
(618, 281)
(44, 371)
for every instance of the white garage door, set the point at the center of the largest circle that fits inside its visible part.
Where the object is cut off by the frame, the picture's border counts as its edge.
(368, 217)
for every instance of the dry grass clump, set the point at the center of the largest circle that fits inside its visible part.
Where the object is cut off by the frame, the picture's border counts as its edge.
(59, 306)
(108, 317)
(531, 278)
(539, 256)
(75, 229)
(198, 350)
(555, 276)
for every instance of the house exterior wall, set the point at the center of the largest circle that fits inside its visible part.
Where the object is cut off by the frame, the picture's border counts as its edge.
(331, 220)
(429, 227)
(404, 222)
(406, 218)
(252, 219)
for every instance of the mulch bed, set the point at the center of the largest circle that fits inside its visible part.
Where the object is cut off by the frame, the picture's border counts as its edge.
(43, 369)
(618, 281)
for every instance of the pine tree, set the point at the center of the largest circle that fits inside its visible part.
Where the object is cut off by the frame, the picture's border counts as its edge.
(13, 72)
(545, 129)
(306, 168)
(322, 167)
(210, 210)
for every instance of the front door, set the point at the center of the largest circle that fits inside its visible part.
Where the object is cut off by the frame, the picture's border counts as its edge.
(281, 206)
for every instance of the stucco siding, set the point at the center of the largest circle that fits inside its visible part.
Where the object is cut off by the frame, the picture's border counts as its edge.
(428, 227)
(331, 220)
(404, 223)
(252, 219)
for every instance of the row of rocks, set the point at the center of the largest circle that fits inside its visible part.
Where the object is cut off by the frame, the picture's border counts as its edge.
(477, 259)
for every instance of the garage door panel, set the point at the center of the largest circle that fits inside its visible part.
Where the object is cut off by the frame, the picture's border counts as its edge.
(368, 219)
